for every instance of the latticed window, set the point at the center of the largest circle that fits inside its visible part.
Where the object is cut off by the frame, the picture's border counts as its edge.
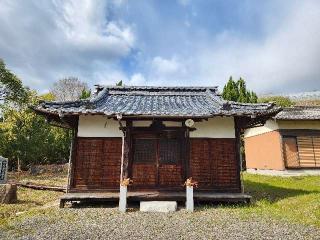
(145, 150)
(169, 151)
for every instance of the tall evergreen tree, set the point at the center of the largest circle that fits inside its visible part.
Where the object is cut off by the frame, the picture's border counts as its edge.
(120, 83)
(237, 91)
(230, 90)
(244, 95)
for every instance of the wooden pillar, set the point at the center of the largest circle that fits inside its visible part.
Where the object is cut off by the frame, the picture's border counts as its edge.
(71, 159)
(127, 149)
(124, 180)
(238, 127)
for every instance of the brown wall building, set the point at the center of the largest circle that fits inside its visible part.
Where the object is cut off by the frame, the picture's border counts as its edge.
(290, 141)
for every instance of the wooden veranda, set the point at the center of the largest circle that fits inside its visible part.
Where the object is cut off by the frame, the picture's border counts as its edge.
(135, 196)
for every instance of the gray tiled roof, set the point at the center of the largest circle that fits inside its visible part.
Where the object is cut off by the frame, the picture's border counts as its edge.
(158, 102)
(299, 113)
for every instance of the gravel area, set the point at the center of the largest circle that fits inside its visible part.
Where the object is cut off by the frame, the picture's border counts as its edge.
(108, 223)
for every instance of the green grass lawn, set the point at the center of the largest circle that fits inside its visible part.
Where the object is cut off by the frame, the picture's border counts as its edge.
(291, 198)
(295, 199)
(29, 199)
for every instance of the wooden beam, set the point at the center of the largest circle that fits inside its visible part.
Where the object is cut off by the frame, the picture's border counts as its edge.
(127, 149)
(238, 124)
(73, 152)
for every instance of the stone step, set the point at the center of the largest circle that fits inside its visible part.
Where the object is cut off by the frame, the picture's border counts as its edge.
(158, 206)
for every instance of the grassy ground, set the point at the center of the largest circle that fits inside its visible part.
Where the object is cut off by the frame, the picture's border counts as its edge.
(28, 199)
(294, 199)
(50, 179)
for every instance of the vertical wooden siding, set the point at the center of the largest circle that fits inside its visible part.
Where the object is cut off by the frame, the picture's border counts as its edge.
(213, 164)
(97, 163)
(316, 148)
(290, 152)
(309, 151)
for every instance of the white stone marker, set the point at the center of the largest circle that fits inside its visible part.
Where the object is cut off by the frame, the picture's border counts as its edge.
(123, 198)
(158, 206)
(189, 201)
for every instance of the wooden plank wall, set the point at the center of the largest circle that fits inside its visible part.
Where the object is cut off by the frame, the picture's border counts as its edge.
(316, 148)
(309, 151)
(290, 152)
(171, 175)
(213, 164)
(97, 163)
(144, 175)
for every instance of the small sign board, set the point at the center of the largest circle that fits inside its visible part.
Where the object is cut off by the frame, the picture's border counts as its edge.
(3, 170)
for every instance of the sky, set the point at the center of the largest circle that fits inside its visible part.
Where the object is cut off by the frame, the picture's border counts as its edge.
(274, 45)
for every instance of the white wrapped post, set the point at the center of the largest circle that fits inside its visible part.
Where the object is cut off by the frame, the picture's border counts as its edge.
(123, 194)
(189, 194)
(189, 202)
(123, 198)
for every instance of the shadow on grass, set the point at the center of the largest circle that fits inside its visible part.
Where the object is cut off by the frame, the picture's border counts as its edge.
(260, 191)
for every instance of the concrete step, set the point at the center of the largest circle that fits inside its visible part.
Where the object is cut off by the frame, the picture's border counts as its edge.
(158, 206)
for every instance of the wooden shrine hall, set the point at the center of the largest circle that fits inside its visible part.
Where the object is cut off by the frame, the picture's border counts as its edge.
(158, 137)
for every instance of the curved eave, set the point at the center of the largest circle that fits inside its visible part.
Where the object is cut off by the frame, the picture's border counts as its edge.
(297, 119)
(254, 114)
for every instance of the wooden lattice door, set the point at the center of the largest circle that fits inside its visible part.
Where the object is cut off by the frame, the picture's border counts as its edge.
(144, 166)
(157, 161)
(170, 167)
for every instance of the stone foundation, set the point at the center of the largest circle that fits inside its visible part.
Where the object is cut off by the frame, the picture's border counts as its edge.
(158, 206)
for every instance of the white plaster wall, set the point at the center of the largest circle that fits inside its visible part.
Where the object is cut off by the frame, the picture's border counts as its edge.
(269, 126)
(149, 122)
(272, 125)
(217, 127)
(172, 124)
(98, 126)
(141, 123)
(299, 124)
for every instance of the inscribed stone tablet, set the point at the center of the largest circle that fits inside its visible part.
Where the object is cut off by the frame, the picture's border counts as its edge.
(3, 170)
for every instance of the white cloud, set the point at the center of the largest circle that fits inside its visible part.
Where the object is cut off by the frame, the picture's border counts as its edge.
(164, 66)
(285, 59)
(44, 40)
(137, 79)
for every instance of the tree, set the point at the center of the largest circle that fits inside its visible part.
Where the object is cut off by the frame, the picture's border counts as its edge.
(279, 100)
(68, 89)
(230, 91)
(244, 95)
(120, 83)
(26, 138)
(85, 94)
(237, 92)
(11, 88)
